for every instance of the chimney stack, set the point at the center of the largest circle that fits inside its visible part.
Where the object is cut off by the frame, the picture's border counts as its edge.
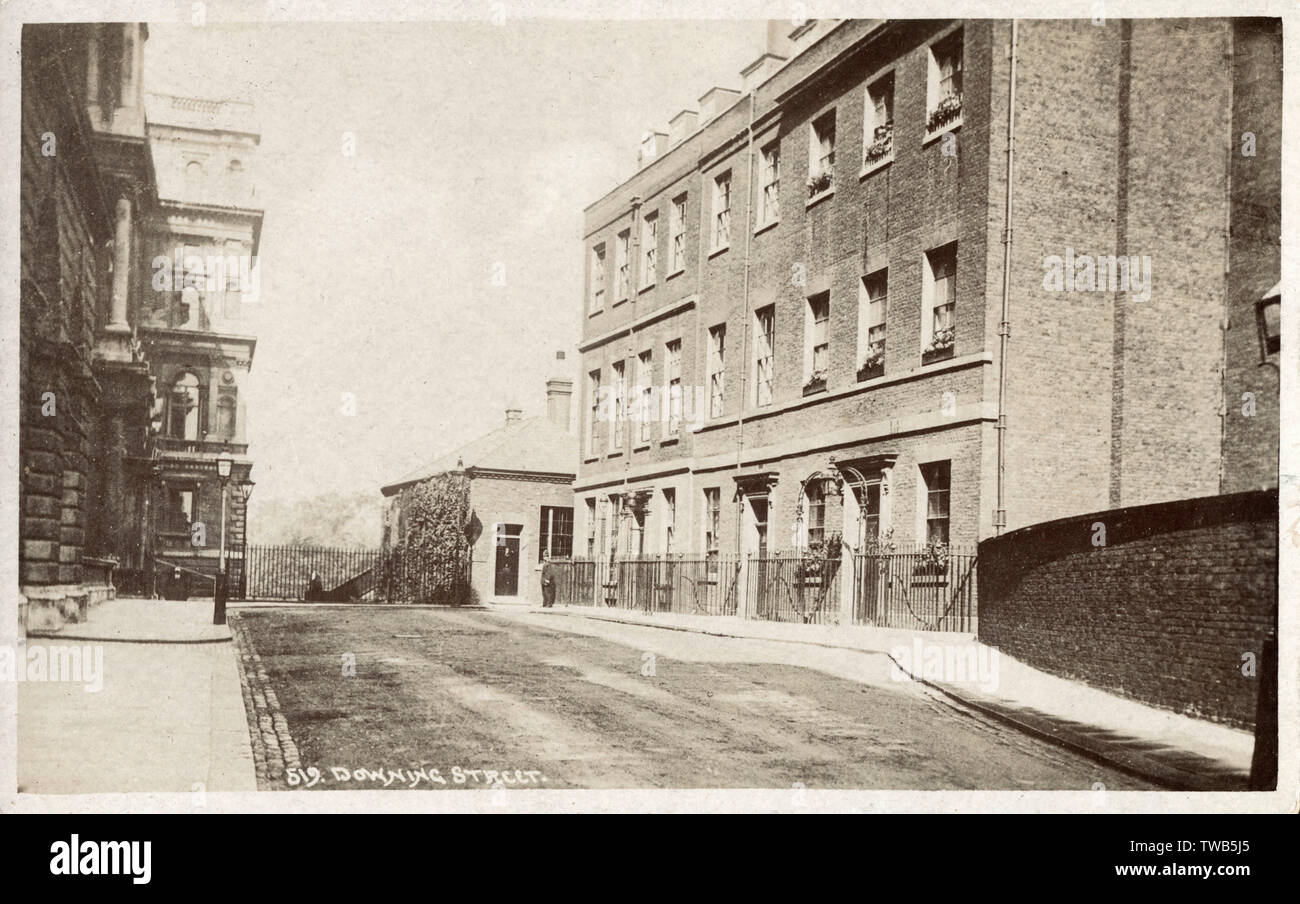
(559, 393)
(513, 415)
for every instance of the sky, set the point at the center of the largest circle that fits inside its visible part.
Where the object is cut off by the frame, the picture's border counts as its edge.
(477, 146)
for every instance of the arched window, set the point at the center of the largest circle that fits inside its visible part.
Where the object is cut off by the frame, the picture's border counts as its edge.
(226, 419)
(185, 408)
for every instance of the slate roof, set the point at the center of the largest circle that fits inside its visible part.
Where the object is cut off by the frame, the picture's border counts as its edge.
(534, 445)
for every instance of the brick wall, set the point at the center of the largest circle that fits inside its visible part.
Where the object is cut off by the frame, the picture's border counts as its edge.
(1163, 612)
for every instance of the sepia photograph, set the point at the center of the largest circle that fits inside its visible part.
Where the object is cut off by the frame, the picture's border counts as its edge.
(607, 409)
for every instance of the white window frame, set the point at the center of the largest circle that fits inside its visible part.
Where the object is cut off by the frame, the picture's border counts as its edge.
(621, 271)
(677, 226)
(673, 382)
(616, 436)
(873, 314)
(930, 301)
(645, 394)
(881, 89)
(764, 354)
(593, 412)
(815, 329)
(717, 369)
(821, 152)
(935, 57)
(597, 278)
(649, 248)
(668, 525)
(720, 235)
(769, 205)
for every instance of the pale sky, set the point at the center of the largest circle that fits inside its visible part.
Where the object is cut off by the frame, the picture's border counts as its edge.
(475, 144)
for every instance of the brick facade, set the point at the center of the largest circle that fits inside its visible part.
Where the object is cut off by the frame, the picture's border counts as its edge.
(1104, 391)
(1163, 612)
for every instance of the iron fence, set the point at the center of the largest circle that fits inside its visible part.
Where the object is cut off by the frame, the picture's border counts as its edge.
(354, 575)
(649, 583)
(916, 589)
(794, 587)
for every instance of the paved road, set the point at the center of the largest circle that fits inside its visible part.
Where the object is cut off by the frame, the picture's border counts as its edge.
(590, 704)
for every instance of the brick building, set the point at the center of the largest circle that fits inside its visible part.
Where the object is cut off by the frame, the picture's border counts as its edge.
(90, 210)
(803, 284)
(520, 480)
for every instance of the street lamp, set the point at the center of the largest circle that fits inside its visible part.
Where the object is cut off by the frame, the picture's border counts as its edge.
(224, 464)
(1268, 320)
(245, 490)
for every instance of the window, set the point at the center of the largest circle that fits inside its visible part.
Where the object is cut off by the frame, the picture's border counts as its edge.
(192, 268)
(591, 528)
(677, 226)
(598, 278)
(936, 477)
(180, 510)
(717, 368)
(764, 343)
(815, 494)
(650, 246)
(878, 122)
(593, 413)
(721, 211)
(231, 265)
(226, 419)
(940, 301)
(185, 415)
(620, 266)
(817, 349)
(943, 84)
(555, 532)
(873, 301)
(645, 392)
(670, 519)
(673, 375)
(770, 207)
(821, 155)
(620, 405)
(712, 520)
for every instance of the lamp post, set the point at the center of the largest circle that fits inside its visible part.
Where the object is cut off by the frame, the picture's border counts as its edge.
(219, 604)
(245, 490)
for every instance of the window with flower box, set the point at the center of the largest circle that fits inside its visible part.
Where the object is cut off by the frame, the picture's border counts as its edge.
(873, 305)
(938, 331)
(878, 123)
(936, 478)
(944, 85)
(817, 342)
(821, 155)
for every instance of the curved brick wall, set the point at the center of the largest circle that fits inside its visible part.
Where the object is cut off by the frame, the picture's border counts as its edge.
(1162, 613)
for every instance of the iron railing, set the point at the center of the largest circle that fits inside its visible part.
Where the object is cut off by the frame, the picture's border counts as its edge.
(794, 587)
(355, 575)
(917, 588)
(668, 583)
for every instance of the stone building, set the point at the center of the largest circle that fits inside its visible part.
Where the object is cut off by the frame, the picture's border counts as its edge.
(520, 480)
(197, 321)
(803, 285)
(90, 210)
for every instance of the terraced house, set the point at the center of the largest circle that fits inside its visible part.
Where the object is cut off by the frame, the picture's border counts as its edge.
(811, 330)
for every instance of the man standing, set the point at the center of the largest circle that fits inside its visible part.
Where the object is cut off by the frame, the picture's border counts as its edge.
(548, 581)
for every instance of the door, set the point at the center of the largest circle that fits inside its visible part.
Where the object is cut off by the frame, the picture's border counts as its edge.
(507, 566)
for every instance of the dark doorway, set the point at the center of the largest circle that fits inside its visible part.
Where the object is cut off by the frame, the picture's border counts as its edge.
(507, 568)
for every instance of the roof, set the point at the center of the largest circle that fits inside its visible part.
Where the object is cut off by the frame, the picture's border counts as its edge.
(533, 445)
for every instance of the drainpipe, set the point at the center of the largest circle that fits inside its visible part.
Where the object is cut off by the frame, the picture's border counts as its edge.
(633, 290)
(1004, 327)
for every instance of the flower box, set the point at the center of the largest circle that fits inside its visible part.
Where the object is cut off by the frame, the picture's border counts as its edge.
(940, 347)
(946, 111)
(873, 365)
(819, 183)
(816, 383)
(882, 145)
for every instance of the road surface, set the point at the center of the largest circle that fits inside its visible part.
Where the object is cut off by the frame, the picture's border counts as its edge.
(560, 701)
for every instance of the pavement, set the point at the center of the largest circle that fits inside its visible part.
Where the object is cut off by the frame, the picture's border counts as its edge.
(1168, 749)
(168, 715)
